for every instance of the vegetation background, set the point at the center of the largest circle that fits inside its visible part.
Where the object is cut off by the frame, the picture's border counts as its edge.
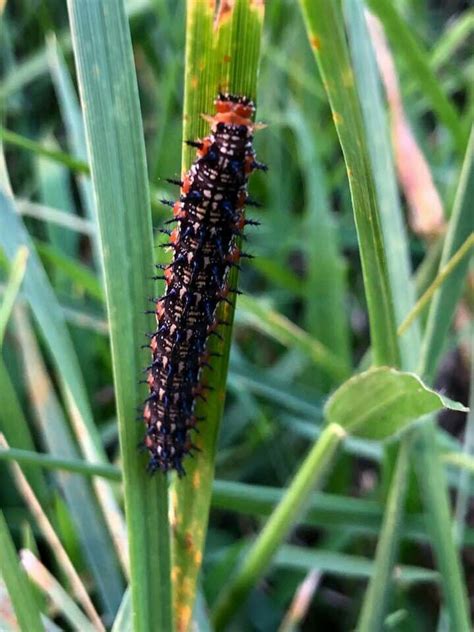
(376, 548)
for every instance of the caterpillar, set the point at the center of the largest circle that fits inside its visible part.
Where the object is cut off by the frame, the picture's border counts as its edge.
(210, 219)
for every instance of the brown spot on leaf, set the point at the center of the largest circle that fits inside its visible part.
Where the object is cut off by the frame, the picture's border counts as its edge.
(227, 59)
(184, 617)
(188, 541)
(194, 82)
(224, 13)
(315, 43)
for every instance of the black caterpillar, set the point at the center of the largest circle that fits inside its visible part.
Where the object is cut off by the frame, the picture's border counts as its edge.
(210, 219)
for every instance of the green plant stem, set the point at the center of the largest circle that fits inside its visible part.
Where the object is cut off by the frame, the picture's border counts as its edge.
(310, 474)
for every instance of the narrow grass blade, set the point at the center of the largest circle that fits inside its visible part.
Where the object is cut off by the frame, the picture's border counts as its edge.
(326, 317)
(58, 596)
(52, 324)
(290, 556)
(14, 281)
(418, 63)
(220, 55)
(438, 281)
(50, 536)
(28, 457)
(12, 138)
(109, 96)
(457, 32)
(55, 190)
(123, 620)
(54, 216)
(310, 474)
(263, 318)
(91, 531)
(14, 426)
(375, 601)
(19, 588)
(433, 487)
(327, 38)
(323, 510)
(79, 274)
(72, 117)
(445, 300)
(380, 151)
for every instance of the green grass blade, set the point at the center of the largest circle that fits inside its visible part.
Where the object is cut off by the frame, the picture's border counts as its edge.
(18, 585)
(445, 300)
(52, 324)
(14, 426)
(327, 38)
(60, 157)
(28, 457)
(433, 486)
(79, 274)
(380, 151)
(72, 117)
(326, 317)
(59, 597)
(123, 620)
(290, 556)
(55, 216)
(220, 56)
(109, 95)
(14, 281)
(56, 434)
(437, 282)
(310, 474)
(375, 601)
(263, 318)
(417, 60)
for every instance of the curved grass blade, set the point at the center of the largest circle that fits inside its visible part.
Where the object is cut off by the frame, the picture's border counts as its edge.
(109, 96)
(221, 54)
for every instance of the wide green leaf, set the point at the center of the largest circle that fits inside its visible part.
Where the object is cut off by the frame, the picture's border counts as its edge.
(109, 95)
(381, 402)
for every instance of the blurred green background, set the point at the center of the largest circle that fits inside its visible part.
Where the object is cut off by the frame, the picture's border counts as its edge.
(307, 268)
